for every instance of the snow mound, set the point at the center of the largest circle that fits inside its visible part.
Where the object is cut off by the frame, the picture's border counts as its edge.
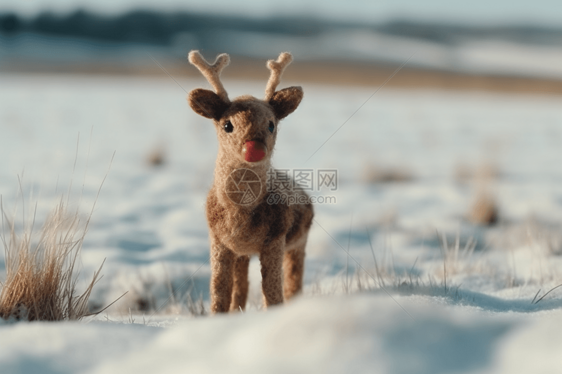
(361, 333)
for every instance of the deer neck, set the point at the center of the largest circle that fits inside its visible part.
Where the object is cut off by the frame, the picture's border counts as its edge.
(229, 169)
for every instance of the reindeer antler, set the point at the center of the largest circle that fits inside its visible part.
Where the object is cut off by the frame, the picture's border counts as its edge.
(211, 72)
(276, 68)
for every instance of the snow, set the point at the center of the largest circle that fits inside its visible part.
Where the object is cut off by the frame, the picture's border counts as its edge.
(383, 293)
(361, 334)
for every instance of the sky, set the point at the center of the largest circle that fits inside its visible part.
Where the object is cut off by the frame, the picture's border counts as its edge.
(538, 12)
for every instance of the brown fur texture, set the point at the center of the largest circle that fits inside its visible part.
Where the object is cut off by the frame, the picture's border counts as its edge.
(240, 290)
(276, 232)
(283, 101)
(207, 103)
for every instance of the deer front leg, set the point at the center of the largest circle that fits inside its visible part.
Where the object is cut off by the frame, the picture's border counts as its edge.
(222, 266)
(240, 290)
(271, 259)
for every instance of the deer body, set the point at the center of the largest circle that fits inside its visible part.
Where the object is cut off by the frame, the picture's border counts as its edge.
(240, 226)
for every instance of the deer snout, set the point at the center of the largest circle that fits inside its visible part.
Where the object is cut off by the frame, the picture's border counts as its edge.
(254, 150)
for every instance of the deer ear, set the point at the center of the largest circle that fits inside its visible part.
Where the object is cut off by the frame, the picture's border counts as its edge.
(285, 101)
(207, 103)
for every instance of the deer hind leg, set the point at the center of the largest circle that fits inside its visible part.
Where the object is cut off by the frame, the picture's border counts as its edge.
(222, 268)
(293, 270)
(240, 289)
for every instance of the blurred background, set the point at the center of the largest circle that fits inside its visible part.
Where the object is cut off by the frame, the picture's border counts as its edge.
(476, 44)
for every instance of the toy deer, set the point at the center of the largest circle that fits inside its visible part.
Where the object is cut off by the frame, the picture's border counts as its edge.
(244, 217)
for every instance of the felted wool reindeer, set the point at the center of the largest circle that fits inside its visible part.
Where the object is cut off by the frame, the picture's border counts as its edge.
(244, 217)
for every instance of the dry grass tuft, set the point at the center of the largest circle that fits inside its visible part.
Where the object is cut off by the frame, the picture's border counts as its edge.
(458, 257)
(157, 156)
(378, 174)
(482, 173)
(41, 271)
(147, 294)
(484, 210)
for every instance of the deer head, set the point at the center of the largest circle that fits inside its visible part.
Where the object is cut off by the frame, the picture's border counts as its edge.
(247, 126)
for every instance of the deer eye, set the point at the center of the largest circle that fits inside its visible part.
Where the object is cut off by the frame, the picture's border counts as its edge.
(228, 126)
(271, 126)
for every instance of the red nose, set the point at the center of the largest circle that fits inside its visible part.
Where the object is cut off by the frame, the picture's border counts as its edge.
(254, 151)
